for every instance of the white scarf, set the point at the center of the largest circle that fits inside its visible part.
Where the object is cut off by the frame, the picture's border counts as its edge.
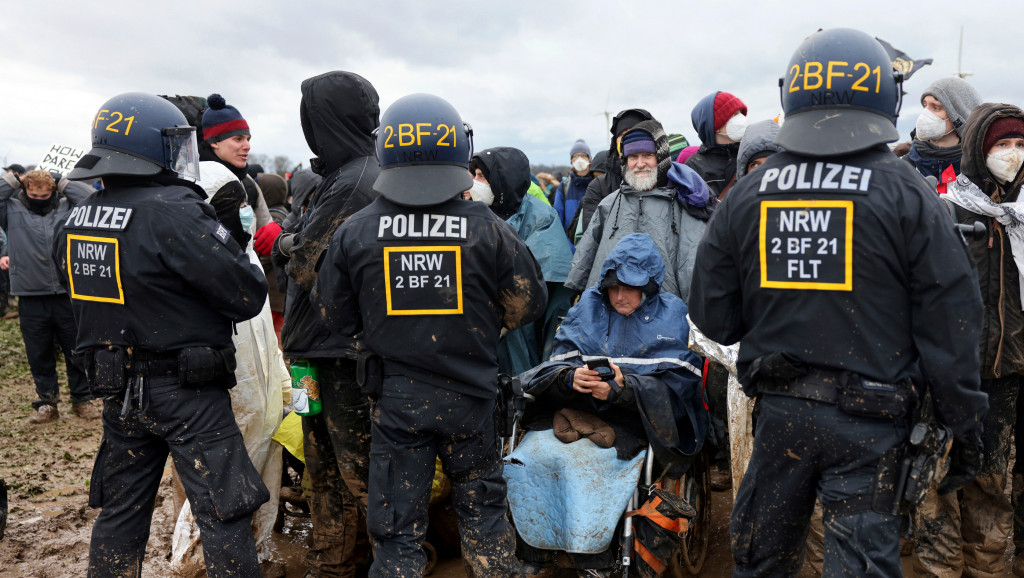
(966, 194)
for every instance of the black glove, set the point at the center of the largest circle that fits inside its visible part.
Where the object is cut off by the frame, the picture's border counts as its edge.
(964, 461)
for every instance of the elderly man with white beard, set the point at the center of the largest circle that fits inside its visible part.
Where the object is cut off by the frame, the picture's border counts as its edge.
(647, 202)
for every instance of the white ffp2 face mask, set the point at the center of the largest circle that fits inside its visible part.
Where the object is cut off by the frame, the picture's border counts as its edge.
(736, 127)
(580, 164)
(1005, 164)
(930, 126)
(482, 192)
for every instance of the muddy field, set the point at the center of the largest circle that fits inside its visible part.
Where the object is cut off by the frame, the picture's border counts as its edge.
(47, 469)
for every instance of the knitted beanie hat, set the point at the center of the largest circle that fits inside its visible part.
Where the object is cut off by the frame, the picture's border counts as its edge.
(580, 146)
(676, 143)
(222, 121)
(727, 105)
(637, 141)
(957, 96)
(1003, 128)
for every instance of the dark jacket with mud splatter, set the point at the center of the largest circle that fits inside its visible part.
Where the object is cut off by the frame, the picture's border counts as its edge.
(444, 331)
(182, 277)
(339, 112)
(912, 309)
(1002, 337)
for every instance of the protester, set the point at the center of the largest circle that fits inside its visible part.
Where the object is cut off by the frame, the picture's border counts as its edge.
(757, 145)
(651, 395)
(31, 209)
(339, 115)
(572, 189)
(987, 190)
(275, 193)
(601, 187)
(226, 139)
(505, 172)
(257, 400)
(720, 121)
(158, 339)
(431, 332)
(676, 144)
(810, 363)
(302, 183)
(646, 202)
(935, 151)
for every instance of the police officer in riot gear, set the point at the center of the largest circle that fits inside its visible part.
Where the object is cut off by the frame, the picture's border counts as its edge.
(156, 283)
(430, 280)
(851, 295)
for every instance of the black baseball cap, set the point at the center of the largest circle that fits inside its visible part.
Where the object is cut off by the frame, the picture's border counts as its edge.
(16, 168)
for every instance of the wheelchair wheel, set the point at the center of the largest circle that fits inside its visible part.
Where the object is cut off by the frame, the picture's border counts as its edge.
(695, 487)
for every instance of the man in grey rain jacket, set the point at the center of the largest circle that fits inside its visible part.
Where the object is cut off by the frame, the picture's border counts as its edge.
(644, 203)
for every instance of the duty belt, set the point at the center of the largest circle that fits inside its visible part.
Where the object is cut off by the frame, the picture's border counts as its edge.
(154, 364)
(817, 384)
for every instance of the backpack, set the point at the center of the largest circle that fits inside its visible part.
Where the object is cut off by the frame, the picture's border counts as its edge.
(192, 107)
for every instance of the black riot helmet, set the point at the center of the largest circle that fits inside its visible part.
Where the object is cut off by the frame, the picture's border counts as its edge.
(840, 95)
(139, 135)
(424, 150)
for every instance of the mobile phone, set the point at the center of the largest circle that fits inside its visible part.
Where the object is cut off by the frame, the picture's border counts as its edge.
(602, 367)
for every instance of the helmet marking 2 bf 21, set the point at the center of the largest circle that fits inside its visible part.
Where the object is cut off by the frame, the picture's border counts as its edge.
(840, 95)
(424, 149)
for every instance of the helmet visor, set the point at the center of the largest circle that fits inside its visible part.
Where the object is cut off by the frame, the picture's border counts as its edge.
(182, 151)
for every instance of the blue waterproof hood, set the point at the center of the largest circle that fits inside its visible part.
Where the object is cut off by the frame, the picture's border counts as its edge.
(636, 261)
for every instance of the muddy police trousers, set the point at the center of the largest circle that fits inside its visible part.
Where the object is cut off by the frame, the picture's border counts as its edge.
(412, 423)
(805, 449)
(196, 426)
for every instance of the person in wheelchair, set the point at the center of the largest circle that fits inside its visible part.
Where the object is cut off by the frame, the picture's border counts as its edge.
(620, 379)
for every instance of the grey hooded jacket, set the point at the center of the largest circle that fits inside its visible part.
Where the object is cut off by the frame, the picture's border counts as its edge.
(657, 213)
(31, 235)
(757, 141)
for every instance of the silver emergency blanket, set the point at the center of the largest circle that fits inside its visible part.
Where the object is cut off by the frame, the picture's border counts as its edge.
(741, 434)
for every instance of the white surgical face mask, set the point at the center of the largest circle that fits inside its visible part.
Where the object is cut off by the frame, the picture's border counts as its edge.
(1005, 164)
(247, 216)
(736, 127)
(482, 192)
(930, 126)
(581, 164)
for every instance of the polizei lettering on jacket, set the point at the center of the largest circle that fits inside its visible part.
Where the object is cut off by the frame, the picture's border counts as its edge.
(816, 176)
(422, 226)
(99, 217)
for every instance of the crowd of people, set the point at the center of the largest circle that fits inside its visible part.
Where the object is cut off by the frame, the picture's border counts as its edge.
(411, 272)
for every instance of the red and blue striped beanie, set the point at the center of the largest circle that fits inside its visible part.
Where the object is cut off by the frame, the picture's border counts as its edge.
(221, 121)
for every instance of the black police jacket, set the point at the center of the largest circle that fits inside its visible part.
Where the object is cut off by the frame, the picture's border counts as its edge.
(850, 263)
(430, 289)
(149, 266)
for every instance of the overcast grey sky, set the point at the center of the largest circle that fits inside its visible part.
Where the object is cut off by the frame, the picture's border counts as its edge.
(531, 74)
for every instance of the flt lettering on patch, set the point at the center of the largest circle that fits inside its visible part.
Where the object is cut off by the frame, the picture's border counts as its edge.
(807, 244)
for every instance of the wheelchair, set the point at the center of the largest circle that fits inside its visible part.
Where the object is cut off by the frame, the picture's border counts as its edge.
(692, 535)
